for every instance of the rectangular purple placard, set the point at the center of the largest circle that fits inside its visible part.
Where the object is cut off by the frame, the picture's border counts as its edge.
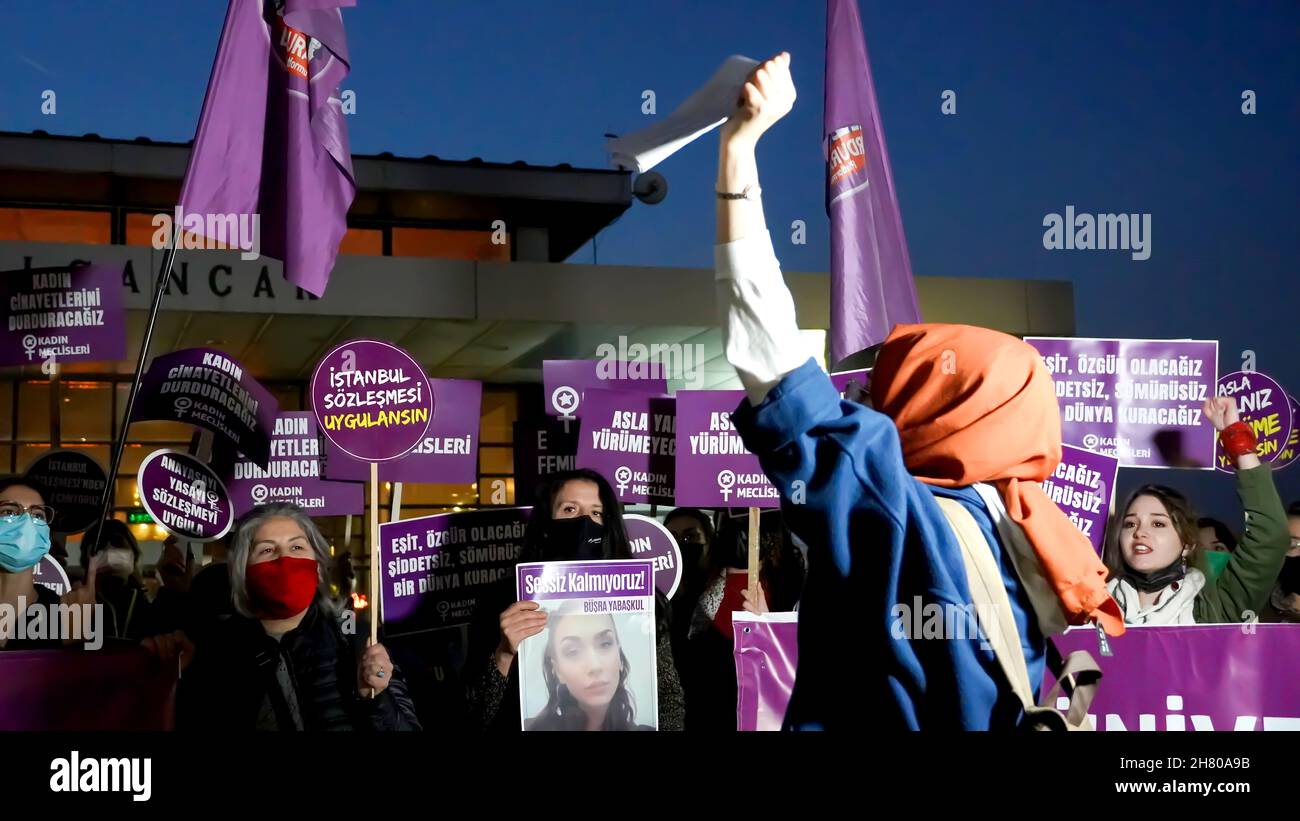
(1082, 486)
(613, 579)
(62, 314)
(435, 568)
(713, 467)
(1136, 399)
(767, 658)
(448, 454)
(294, 474)
(565, 381)
(205, 387)
(630, 439)
(1207, 677)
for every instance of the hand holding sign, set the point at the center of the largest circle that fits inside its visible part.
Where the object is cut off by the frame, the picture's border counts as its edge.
(766, 97)
(375, 669)
(168, 646)
(518, 622)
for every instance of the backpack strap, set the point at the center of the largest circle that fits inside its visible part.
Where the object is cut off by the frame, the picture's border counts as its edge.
(998, 624)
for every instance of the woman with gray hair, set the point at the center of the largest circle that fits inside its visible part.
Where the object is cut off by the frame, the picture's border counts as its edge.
(286, 660)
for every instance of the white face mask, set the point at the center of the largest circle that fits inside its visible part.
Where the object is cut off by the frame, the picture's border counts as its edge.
(120, 561)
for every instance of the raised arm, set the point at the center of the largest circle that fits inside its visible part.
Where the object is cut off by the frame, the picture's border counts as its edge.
(761, 336)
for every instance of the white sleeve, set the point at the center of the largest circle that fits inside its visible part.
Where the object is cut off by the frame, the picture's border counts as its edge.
(760, 335)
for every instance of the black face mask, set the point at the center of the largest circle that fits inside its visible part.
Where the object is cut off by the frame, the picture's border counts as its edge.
(577, 539)
(1289, 578)
(1151, 581)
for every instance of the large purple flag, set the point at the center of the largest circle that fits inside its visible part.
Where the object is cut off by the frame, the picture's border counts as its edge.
(871, 274)
(271, 140)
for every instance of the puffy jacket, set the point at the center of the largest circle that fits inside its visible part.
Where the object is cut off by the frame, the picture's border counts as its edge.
(234, 684)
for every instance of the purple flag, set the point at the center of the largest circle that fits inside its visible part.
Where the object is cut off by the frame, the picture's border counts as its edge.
(871, 274)
(271, 141)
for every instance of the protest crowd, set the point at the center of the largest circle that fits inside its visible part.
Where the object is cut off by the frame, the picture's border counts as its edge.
(935, 485)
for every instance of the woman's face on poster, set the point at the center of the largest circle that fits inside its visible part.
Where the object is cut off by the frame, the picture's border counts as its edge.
(587, 659)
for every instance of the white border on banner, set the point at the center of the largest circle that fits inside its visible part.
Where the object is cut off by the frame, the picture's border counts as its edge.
(780, 617)
(221, 487)
(1215, 342)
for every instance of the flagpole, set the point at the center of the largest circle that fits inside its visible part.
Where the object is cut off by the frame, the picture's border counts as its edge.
(119, 443)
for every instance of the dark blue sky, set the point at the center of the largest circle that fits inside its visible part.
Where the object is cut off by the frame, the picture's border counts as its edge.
(1107, 106)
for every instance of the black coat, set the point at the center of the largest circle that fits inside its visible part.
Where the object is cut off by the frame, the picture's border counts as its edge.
(234, 674)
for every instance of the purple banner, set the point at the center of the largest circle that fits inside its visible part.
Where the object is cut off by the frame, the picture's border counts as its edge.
(74, 484)
(204, 387)
(1082, 486)
(1264, 405)
(871, 274)
(184, 496)
(62, 315)
(1291, 451)
(651, 540)
(272, 141)
(767, 656)
(49, 573)
(372, 400)
(713, 468)
(565, 381)
(448, 453)
(542, 447)
(56, 690)
(545, 581)
(630, 439)
(294, 474)
(1208, 677)
(593, 666)
(1137, 400)
(436, 567)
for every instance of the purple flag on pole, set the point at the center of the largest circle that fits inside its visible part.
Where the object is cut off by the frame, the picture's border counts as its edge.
(271, 141)
(871, 275)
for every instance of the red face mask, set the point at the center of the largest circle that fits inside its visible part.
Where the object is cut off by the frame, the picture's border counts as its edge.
(281, 588)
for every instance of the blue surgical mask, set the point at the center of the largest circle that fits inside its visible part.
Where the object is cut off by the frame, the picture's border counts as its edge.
(23, 542)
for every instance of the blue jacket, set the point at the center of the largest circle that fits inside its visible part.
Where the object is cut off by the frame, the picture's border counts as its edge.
(877, 539)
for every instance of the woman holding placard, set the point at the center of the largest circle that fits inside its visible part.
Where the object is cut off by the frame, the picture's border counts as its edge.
(1158, 571)
(287, 661)
(577, 516)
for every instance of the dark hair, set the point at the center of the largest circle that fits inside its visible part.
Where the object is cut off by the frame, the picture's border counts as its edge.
(562, 711)
(616, 545)
(1221, 531)
(20, 481)
(1180, 511)
(116, 534)
(706, 522)
(781, 564)
(1293, 509)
